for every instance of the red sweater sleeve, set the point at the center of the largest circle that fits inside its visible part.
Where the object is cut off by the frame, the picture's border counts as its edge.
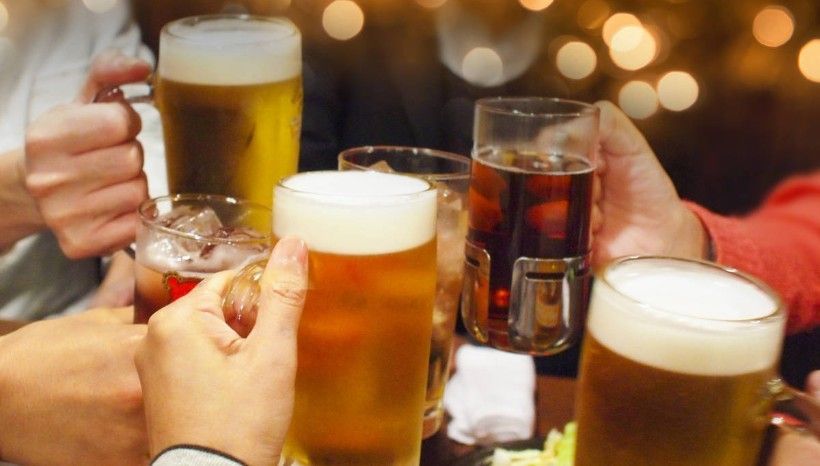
(778, 243)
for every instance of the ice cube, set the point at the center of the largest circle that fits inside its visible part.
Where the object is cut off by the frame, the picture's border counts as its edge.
(200, 221)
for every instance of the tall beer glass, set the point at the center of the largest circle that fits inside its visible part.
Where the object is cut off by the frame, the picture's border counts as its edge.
(676, 363)
(229, 92)
(527, 254)
(450, 174)
(364, 337)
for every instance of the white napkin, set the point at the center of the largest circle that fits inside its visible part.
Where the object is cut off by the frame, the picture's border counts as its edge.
(491, 397)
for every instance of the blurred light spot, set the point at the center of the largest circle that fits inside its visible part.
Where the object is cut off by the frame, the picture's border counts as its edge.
(99, 6)
(638, 99)
(535, 5)
(343, 19)
(576, 60)
(809, 60)
(617, 22)
(431, 3)
(4, 16)
(592, 14)
(773, 26)
(677, 90)
(483, 66)
(627, 38)
(637, 57)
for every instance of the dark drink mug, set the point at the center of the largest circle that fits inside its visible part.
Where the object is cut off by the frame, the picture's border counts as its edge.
(526, 282)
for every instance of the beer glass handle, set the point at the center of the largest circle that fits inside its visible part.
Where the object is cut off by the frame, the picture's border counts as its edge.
(127, 93)
(794, 410)
(136, 93)
(239, 304)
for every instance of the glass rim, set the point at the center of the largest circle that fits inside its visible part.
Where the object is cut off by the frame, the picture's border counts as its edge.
(198, 197)
(410, 150)
(493, 105)
(191, 21)
(777, 313)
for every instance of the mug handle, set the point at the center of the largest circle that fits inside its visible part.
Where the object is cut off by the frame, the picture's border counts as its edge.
(794, 410)
(240, 302)
(128, 93)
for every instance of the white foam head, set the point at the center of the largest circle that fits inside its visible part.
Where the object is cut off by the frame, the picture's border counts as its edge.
(230, 50)
(355, 212)
(686, 317)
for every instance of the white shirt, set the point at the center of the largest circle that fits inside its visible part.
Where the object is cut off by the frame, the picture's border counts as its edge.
(46, 49)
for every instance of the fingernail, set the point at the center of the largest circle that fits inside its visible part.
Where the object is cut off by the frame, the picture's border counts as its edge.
(290, 253)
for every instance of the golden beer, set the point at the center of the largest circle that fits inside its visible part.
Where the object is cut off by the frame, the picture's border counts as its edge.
(364, 337)
(229, 91)
(675, 365)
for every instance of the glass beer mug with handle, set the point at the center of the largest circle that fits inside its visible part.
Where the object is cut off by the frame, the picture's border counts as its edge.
(678, 365)
(364, 337)
(229, 91)
(526, 276)
(450, 174)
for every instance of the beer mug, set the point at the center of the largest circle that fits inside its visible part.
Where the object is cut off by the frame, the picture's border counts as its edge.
(450, 174)
(229, 91)
(678, 365)
(526, 277)
(183, 238)
(364, 336)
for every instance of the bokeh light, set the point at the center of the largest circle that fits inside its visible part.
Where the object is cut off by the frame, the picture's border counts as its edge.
(576, 60)
(343, 19)
(809, 60)
(637, 57)
(677, 90)
(773, 26)
(431, 3)
(100, 6)
(638, 99)
(627, 38)
(592, 14)
(483, 66)
(617, 22)
(535, 5)
(4, 16)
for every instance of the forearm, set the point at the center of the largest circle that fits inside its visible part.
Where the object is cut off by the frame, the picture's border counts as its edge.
(20, 216)
(778, 244)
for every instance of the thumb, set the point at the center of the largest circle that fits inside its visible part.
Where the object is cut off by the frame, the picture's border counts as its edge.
(619, 137)
(283, 287)
(112, 68)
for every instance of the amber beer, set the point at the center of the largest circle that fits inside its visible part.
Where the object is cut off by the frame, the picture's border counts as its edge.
(229, 90)
(675, 364)
(364, 337)
(526, 205)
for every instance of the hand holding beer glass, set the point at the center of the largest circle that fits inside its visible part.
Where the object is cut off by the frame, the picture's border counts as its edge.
(450, 174)
(527, 255)
(229, 91)
(678, 365)
(364, 336)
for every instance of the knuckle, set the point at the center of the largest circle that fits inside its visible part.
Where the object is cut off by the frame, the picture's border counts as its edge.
(289, 293)
(73, 246)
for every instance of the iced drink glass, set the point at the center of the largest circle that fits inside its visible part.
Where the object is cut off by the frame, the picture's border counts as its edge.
(183, 238)
(450, 174)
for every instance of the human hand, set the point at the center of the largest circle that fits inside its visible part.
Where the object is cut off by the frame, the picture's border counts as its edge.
(640, 210)
(205, 385)
(793, 449)
(69, 394)
(84, 164)
(117, 288)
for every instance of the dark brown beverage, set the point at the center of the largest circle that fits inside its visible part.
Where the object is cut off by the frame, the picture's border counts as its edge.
(525, 205)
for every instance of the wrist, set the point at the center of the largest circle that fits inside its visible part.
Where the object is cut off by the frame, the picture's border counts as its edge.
(21, 215)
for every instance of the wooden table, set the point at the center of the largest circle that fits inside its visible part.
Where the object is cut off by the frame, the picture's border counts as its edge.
(554, 407)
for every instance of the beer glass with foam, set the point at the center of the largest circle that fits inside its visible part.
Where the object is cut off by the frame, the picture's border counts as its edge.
(229, 92)
(678, 365)
(526, 275)
(364, 336)
(450, 174)
(183, 238)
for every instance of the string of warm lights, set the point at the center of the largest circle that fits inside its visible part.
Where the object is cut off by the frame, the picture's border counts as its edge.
(631, 43)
